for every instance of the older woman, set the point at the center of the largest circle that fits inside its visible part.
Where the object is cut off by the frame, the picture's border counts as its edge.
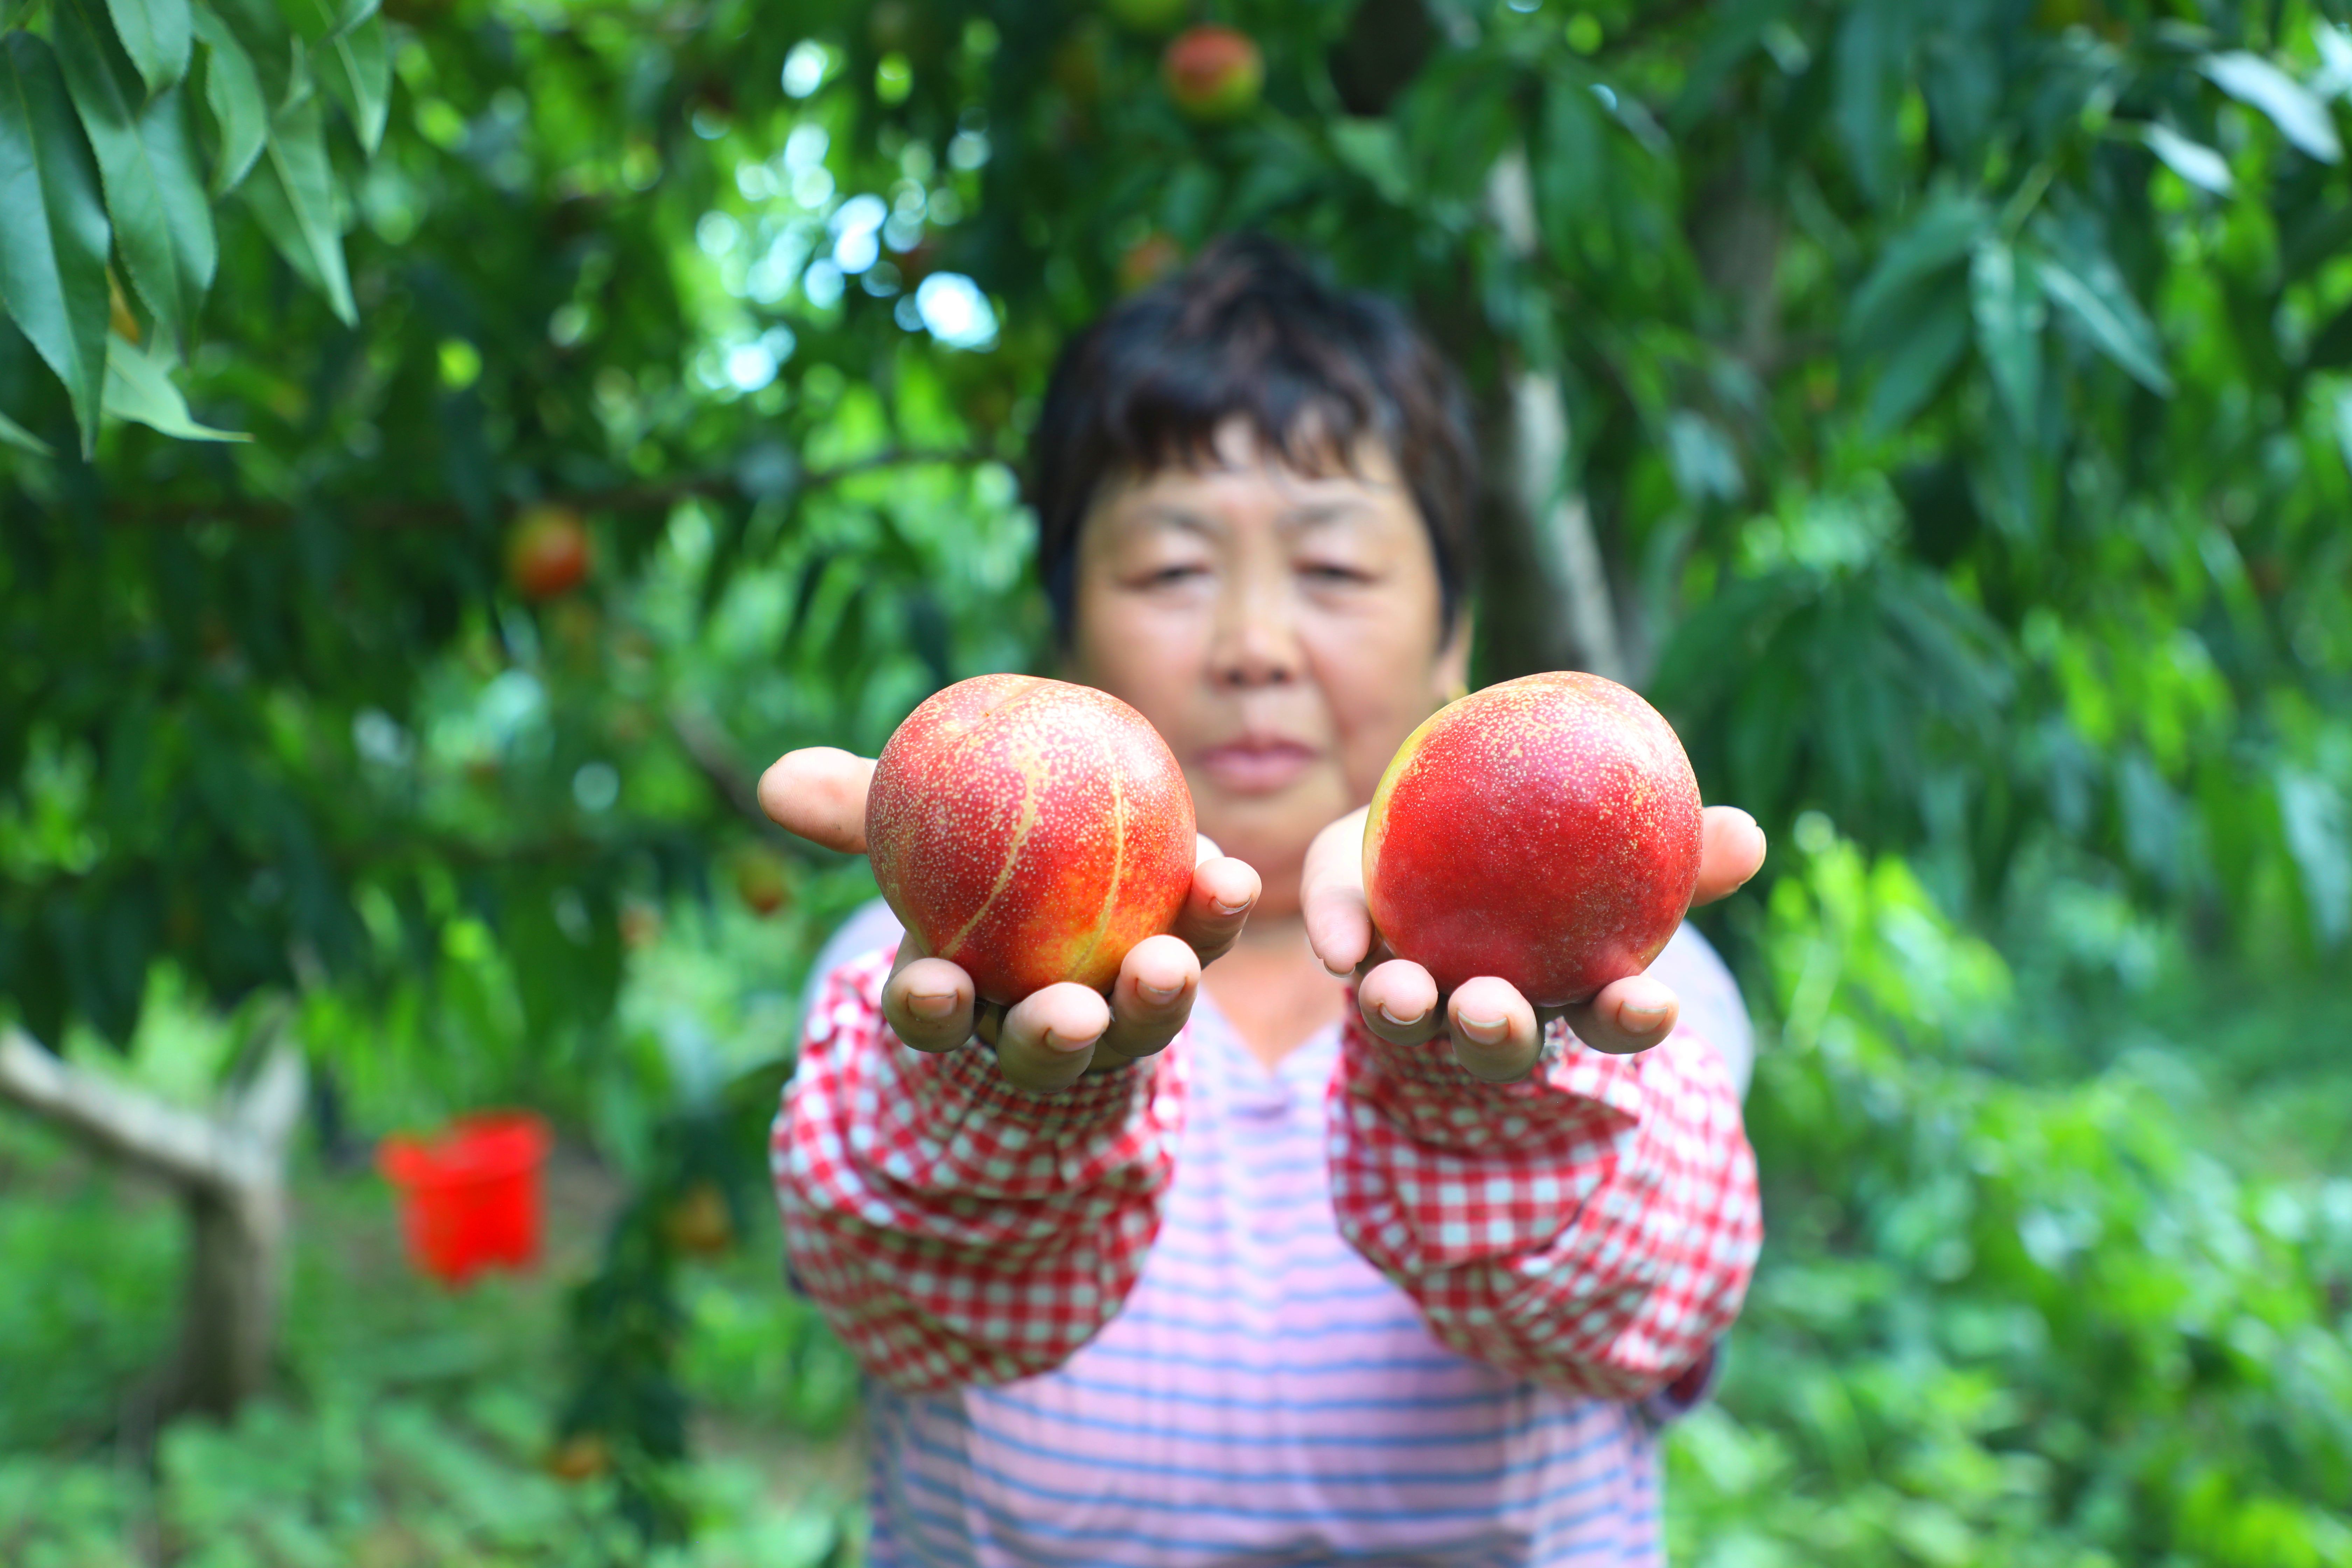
(1287, 1259)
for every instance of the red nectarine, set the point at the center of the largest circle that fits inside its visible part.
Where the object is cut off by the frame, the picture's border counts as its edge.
(547, 554)
(1030, 831)
(1545, 831)
(1213, 73)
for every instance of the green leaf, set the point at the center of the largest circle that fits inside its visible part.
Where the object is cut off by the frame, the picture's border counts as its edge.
(2192, 161)
(1873, 48)
(1936, 243)
(2005, 297)
(292, 196)
(321, 21)
(2111, 319)
(2331, 346)
(54, 242)
(14, 435)
(154, 34)
(2301, 117)
(139, 388)
(280, 62)
(1371, 148)
(347, 53)
(233, 92)
(357, 70)
(155, 195)
(1938, 335)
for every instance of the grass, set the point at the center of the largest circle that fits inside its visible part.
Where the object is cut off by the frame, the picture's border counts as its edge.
(407, 1425)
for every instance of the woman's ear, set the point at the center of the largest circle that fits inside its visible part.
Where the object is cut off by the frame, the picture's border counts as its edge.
(1450, 674)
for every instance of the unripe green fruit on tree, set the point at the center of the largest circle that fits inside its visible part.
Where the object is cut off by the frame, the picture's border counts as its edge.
(1030, 831)
(546, 553)
(1152, 18)
(1214, 74)
(1545, 831)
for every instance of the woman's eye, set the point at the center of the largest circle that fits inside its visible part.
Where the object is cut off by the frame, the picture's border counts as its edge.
(1169, 576)
(1334, 572)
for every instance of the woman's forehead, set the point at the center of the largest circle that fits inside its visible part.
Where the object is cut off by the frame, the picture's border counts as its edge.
(1310, 483)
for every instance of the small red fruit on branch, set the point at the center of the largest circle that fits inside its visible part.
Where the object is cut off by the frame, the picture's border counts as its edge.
(546, 553)
(1544, 831)
(698, 1222)
(761, 880)
(1215, 74)
(1030, 831)
(1148, 261)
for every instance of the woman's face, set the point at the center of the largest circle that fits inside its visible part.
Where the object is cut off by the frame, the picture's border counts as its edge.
(1281, 630)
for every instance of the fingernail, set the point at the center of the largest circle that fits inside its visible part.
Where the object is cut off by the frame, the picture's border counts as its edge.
(1643, 1020)
(1157, 996)
(1054, 1042)
(1486, 1031)
(931, 1003)
(1223, 907)
(1382, 1009)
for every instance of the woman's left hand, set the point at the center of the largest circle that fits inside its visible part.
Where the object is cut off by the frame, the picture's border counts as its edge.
(1497, 1033)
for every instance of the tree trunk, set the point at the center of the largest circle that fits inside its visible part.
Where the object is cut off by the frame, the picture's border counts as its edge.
(229, 1170)
(1548, 594)
(229, 1314)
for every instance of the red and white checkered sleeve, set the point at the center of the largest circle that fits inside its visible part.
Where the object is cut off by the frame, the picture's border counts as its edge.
(954, 1229)
(1592, 1228)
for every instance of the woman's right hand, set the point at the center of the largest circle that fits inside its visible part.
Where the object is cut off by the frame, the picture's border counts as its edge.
(1052, 1038)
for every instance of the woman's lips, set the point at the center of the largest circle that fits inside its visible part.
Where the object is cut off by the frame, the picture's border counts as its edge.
(1256, 767)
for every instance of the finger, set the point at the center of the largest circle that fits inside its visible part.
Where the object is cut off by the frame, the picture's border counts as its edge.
(1494, 1029)
(1731, 850)
(927, 1003)
(1223, 892)
(1151, 998)
(1626, 1016)
(1331, 896)
(1399, 1001)
(819, 793)
(1049, 1036)
(1205, 848)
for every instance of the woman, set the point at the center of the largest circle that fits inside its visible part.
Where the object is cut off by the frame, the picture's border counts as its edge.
(1226, 1266)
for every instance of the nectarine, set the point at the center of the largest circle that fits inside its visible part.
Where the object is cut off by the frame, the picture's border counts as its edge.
(1030, 831)
(1545, 831)
(1213, 73)
(546, 553)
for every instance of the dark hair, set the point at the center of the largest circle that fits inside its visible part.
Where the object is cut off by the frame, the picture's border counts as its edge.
(1248, 330)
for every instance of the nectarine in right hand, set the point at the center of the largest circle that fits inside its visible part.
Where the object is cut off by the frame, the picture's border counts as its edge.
(1545, 831)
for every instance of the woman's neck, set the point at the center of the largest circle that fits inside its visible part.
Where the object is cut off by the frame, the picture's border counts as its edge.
(1271, 989)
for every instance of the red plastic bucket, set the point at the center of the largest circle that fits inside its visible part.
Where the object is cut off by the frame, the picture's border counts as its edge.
(469, 1199)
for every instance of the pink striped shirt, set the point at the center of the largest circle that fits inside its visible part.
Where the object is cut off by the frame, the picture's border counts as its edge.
(1154, 1335)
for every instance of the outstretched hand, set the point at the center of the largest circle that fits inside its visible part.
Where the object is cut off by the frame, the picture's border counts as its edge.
(1495, 1033)
(1052, 1038)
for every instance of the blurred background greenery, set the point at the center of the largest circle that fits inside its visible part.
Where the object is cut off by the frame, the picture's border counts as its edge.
(448, 446)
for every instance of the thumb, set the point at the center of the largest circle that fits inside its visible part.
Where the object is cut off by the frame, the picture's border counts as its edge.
(1331, 896)
(819, 793)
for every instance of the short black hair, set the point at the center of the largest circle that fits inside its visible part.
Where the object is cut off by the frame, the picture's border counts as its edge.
(1249, 330)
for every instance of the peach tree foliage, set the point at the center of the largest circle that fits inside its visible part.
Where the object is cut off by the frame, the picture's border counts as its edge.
(1956, 398)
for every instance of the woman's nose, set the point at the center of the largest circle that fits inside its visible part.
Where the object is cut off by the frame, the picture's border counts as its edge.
(1257, 647)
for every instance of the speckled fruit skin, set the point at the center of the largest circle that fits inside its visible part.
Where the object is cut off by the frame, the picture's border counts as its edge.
(1545, 831)
(1031, 831)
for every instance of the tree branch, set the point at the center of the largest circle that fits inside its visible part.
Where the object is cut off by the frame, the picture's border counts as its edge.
(714, 754)
(232, 1151)
(442, 512)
